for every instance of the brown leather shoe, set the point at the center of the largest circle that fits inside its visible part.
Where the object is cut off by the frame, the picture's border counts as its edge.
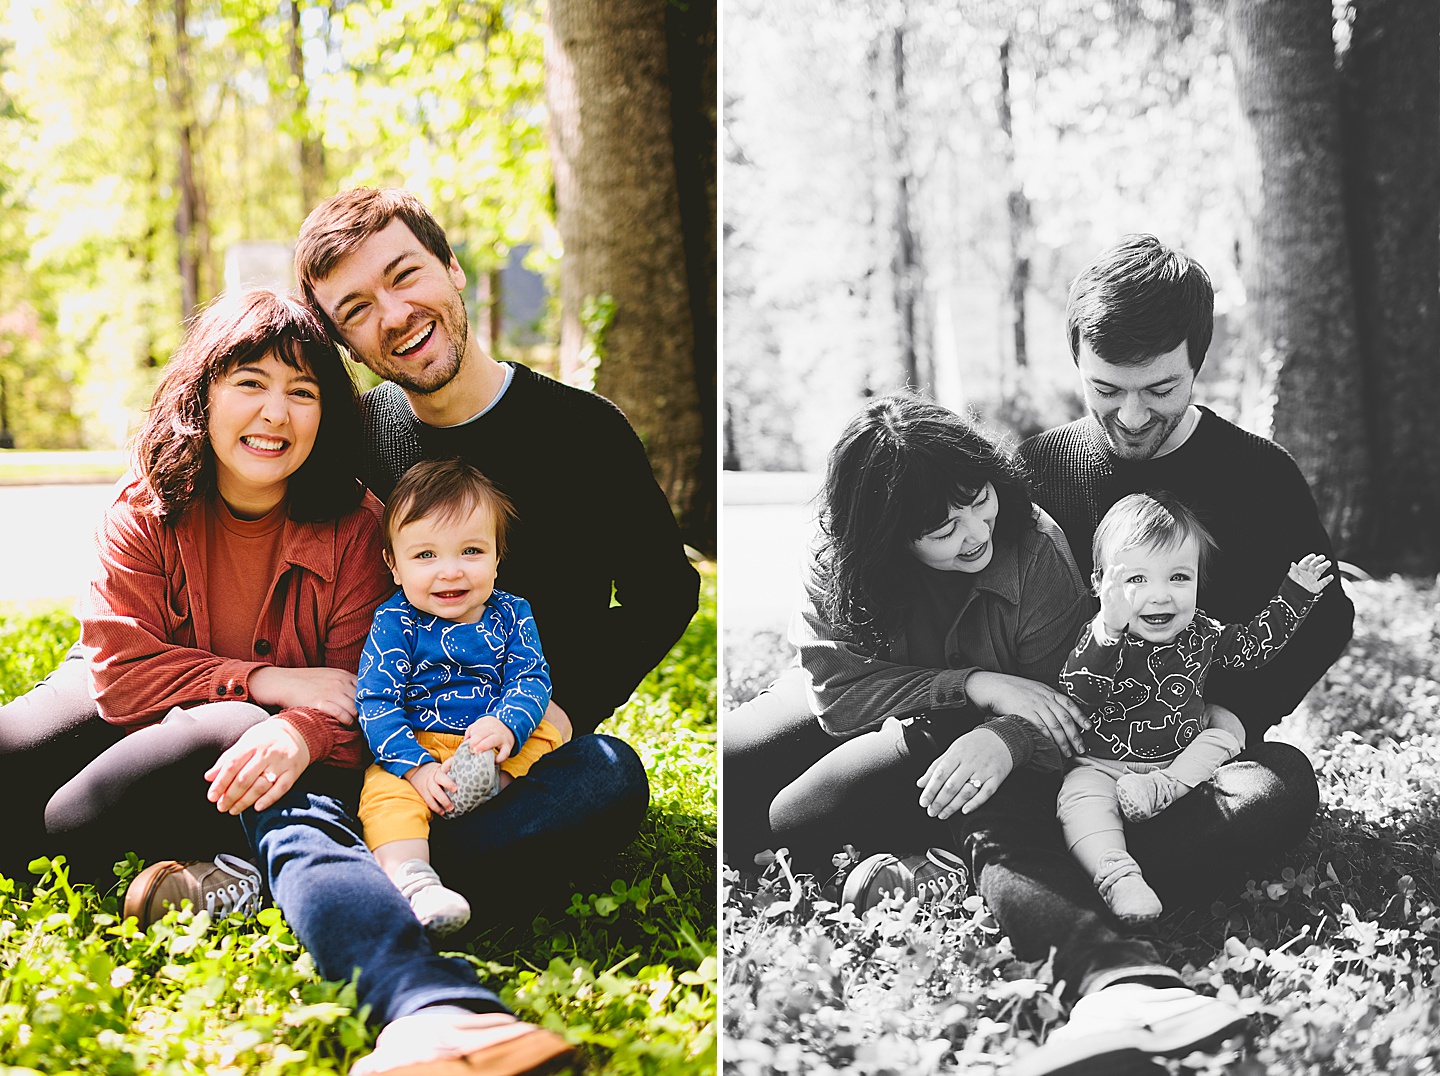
(226, 884)
(431, 1043)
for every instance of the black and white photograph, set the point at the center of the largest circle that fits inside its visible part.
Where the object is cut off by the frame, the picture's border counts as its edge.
(1080, 702)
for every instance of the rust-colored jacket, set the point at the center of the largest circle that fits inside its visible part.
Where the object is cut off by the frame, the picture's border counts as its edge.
(147, 633)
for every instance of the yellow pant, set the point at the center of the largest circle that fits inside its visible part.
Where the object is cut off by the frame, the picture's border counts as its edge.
(391, 809)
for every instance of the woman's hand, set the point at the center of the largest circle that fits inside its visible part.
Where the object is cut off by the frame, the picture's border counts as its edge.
(1046, 708)
(434, 783)
(490, 734)
(259, 768)
(966, 775)
(330, 690)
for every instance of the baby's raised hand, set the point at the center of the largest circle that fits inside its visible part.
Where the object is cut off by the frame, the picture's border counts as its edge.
(1312, 572)
(1117, 600)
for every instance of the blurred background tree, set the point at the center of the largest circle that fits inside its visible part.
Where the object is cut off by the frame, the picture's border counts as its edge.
(912, 184)
(148, 141)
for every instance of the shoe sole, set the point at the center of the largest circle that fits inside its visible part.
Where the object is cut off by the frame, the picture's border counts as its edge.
(525, 1055)
(1099, 1054)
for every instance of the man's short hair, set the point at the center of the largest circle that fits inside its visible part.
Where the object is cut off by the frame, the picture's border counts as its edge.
(449, 489)
(339, 224)
(1141, 299)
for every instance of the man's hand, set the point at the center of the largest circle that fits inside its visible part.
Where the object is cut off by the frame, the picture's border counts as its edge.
(1047, 709)
(561, 720)
(1217, 717)
(259, 768)
(491, 734)
(1117, 600)
(432, 781)
(1311, 572)
(330, 690)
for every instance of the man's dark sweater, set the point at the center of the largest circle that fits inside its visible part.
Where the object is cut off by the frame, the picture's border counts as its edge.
(590, 514)
(1251, 495)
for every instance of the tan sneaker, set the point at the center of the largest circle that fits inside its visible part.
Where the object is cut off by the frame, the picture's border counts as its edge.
(473, 1044)
(934, 875)
(226, 884)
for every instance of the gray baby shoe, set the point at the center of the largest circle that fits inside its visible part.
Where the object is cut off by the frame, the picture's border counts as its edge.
(476, 777)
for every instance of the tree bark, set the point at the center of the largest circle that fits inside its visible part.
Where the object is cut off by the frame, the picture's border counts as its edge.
(1391, 90)
(905, 259)
(1297, 268)
(187, 212)
(311, 148)
(1018, 213)
(618, 209)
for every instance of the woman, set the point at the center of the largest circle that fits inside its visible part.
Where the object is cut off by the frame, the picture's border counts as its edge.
(941, 606)
(239, 567)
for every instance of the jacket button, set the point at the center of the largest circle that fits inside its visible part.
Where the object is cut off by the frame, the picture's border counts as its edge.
(262, 646)
(220, 690)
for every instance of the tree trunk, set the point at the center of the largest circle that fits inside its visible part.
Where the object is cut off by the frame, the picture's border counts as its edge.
(1391, 89)
(187, 212)
(691, 30)
(311, 148)
(619, 215)
(1297, 267)
(905, 259)
(1018, 212)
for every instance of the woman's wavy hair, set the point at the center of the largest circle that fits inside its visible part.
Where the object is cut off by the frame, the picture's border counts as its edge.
(898, 469)
(172, 453)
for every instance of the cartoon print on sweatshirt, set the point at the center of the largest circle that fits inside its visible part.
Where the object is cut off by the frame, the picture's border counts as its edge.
(1147, 698)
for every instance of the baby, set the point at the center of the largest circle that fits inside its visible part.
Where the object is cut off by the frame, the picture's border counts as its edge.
(450, 661)
(1139, 670)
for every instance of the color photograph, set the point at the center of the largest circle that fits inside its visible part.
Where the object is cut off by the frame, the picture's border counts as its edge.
(358, 537)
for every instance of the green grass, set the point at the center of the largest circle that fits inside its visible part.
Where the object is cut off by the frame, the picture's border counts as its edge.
(628, 973)
(1333, 952)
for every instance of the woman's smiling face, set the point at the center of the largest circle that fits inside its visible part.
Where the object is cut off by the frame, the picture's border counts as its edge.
(263, 418)
(964, 542)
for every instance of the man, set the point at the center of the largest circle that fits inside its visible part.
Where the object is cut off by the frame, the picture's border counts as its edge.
(1140, 320)
(591, 523)
(378, 268)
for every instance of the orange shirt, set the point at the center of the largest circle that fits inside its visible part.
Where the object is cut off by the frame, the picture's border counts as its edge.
(147, 622)
(241, 557)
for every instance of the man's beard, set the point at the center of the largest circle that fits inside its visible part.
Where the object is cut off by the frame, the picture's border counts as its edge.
(1155, 435)
(442, 371)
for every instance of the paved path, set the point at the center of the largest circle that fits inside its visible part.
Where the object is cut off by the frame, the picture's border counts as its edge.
(767, 529)
(45, 539)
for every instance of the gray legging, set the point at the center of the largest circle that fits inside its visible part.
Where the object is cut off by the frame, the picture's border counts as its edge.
(56, 752)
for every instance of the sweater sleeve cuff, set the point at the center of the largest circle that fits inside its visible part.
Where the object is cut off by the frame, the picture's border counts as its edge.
(947, 690)
(1298, 597)
(316, 728)
(230, 682)
(1015, 733)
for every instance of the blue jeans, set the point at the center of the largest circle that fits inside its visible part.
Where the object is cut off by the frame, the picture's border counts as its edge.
(575, 809)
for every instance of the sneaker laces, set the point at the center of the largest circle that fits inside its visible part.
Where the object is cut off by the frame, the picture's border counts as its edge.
(242, 895)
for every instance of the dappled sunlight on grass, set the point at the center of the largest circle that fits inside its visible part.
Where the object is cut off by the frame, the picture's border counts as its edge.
(628, 973)
(1332, 952)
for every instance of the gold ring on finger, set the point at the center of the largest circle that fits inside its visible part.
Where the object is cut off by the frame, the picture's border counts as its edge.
(977, 784)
